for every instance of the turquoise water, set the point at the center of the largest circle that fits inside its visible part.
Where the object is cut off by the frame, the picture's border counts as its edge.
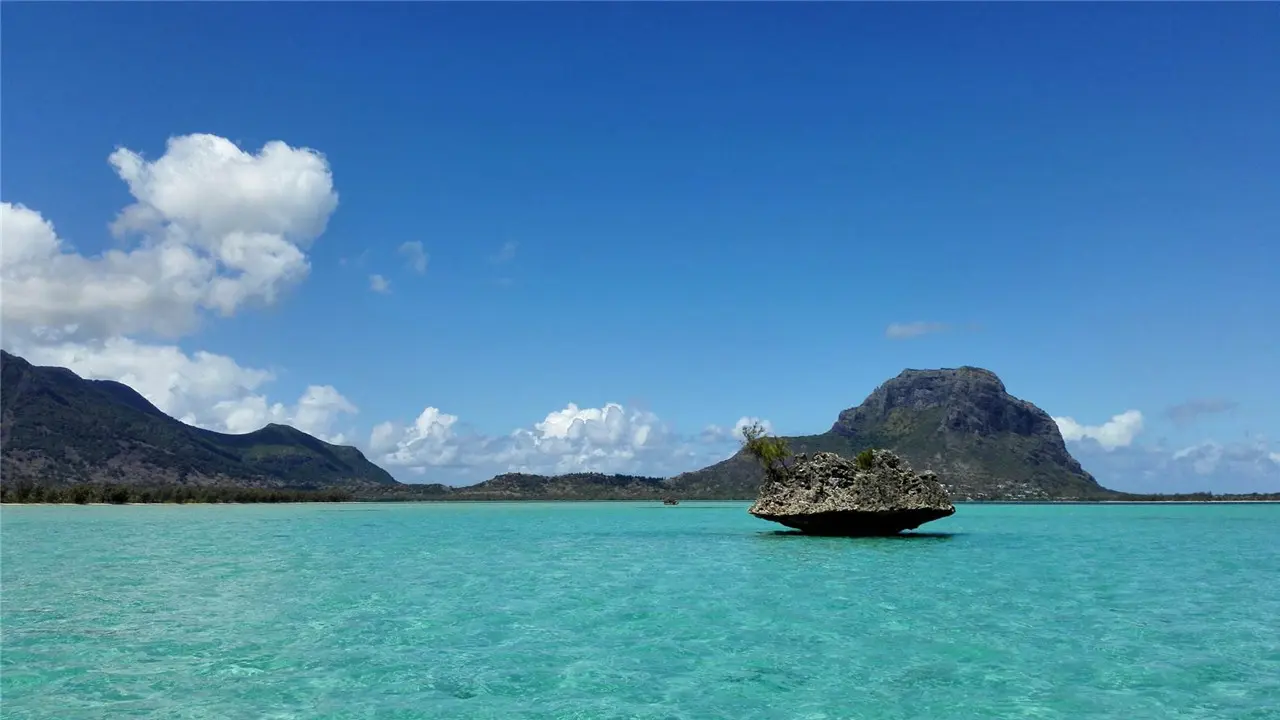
(636, 611)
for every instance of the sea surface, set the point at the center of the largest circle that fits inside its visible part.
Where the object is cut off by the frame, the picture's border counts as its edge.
(635, 610)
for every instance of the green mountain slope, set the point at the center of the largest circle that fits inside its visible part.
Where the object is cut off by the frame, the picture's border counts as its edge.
(984, 443)
(57, 428)
(525, 486)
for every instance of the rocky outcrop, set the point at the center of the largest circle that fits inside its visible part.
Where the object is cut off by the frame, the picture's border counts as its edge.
(984, 443)
(829, 495)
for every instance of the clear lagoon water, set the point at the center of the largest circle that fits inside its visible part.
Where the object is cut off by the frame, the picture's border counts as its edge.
(600, 611)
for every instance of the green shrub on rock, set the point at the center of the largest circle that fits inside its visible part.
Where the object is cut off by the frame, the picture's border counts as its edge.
(770, 451)
(866, 459)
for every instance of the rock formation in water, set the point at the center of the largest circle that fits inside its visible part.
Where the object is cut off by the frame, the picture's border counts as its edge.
(876, 494)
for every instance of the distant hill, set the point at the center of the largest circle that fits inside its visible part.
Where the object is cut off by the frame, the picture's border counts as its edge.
(984, 443)
(57, 428)
(524, 486)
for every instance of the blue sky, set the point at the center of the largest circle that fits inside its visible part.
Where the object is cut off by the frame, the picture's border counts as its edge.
(697, 212)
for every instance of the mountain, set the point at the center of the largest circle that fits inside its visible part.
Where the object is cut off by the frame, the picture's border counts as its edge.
(983, 443)
(57, 428)
(525, 486)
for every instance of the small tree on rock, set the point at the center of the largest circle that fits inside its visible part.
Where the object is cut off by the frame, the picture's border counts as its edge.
(770, 451)
(866, 459)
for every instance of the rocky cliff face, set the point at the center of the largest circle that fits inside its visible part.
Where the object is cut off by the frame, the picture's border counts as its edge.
(974, 401)
(961, 423)
(964, 425)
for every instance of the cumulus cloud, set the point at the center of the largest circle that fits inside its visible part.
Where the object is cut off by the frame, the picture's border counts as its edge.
(610, 439)
(1251, 458)
(415, 256)
(211, 229)
(379, 284)
(217, 229)
(1191, 410)
(745, 422)
(202, 389)
(315, 413)
(1218, 467)
(904, 331)
(1119, 431)
(430, 440)
(209, 188)
(720, 434)
(570, 439)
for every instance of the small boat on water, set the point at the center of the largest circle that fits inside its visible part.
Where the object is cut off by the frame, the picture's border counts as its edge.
(670, 501)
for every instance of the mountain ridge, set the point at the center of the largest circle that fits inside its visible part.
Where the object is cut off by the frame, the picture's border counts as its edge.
(57, 428)
(962, 423)
(60, 430)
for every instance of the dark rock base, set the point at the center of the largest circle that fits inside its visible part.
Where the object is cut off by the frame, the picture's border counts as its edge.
(854, 523)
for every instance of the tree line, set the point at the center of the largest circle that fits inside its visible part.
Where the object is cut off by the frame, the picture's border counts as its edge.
(87, 493)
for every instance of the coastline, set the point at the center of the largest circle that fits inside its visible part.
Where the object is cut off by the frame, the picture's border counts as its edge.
(657, 501)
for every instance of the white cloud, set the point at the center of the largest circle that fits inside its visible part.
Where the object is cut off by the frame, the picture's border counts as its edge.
(1203, 457)
(50, 291)
(903, 331)
(209, 188)
(218, 229)
(429, 440)
(745, 422)
(1209, 457)
(384, 437)
(379, 284)
(415, 255)
(609, 439)
(1119, 431)
(721, 434)
(315, 413)
(202, 389)
(1219, 467)
(567, 440)
(28, 237)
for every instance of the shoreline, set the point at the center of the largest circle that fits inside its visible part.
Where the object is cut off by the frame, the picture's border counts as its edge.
(620, 501)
